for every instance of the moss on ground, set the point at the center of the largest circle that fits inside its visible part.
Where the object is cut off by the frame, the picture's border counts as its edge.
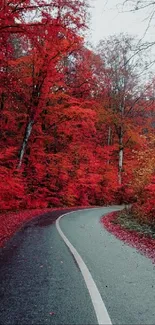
(127, 221)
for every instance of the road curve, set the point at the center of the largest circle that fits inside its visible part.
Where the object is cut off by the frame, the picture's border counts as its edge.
(99, 306)
(42, 284)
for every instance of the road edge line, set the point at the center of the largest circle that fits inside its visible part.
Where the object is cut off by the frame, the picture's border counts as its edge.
(98, 304)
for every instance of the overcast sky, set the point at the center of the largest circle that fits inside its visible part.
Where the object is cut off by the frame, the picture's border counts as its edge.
(107, 19)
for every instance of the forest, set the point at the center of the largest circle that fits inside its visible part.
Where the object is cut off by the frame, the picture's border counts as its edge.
(76, 123)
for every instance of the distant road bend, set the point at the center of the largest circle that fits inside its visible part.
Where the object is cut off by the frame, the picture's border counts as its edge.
(73, 271)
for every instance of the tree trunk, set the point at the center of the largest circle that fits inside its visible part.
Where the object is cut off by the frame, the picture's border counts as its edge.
(109, 141)
(120, 156)
(2, 102)
(109, 136)
(25, 140)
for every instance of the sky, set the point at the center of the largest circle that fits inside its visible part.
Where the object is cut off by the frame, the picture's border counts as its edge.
(108, 19)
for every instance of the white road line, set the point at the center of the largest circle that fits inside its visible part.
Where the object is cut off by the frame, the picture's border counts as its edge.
(99, 306)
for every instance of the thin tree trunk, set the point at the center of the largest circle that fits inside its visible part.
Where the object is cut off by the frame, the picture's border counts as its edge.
(25, 140)
(120, 156)
(2, 102)
(109, 136)
(109, 141)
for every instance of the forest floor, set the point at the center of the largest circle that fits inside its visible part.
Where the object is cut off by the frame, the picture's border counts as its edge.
(126, 228)
(127, 221)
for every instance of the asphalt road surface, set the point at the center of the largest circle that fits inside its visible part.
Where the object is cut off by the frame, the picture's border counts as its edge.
(42, 283)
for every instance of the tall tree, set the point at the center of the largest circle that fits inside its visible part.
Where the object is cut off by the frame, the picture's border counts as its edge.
(49, 32)
(122, 81)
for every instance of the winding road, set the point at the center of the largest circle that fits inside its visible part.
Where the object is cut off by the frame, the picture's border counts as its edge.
(73, 271)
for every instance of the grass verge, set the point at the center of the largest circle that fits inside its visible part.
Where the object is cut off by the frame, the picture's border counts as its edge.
(126, 228)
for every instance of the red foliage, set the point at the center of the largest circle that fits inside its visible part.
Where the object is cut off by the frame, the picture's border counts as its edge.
(59, 118)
